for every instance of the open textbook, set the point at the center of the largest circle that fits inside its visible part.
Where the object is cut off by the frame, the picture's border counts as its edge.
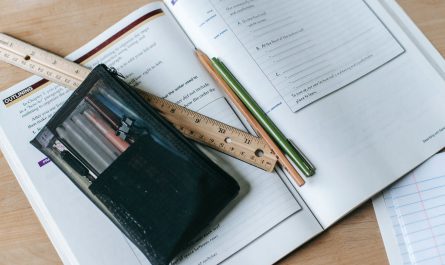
(353, 83)
(411, 215)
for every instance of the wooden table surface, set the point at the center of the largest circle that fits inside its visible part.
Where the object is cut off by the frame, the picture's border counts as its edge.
(61, 26)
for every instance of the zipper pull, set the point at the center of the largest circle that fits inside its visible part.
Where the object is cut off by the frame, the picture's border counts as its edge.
(113, 71)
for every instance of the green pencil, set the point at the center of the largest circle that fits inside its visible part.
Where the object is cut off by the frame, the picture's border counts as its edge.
(286, 146)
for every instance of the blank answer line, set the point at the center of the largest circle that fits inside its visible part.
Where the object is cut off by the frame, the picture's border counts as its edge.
(280, 47)
(271, 24)
(285, 44)
(275, 29)
(303, 63)
(296, 53)
(305, 69)
(291, 48)
(303, 77)
(315, 78)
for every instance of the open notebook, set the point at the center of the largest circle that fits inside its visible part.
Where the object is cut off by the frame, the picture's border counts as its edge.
(344, 96)
(411, 215)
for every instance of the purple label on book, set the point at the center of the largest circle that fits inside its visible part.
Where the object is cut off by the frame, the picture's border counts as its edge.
(44, 161)
(174, 2)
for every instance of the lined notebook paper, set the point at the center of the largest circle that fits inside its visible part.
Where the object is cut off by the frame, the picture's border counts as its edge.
(416, 207)
(396, 228)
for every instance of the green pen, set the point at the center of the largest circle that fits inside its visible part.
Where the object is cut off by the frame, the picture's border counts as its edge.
(285, 144)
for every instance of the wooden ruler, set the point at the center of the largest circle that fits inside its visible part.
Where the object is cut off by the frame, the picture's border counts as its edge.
(193, 125)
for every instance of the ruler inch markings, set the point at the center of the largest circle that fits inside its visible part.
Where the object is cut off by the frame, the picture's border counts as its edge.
(193, 125)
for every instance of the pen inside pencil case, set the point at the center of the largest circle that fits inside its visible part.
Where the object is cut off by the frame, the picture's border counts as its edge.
(71, 164)
(100, 129)
(106, 129)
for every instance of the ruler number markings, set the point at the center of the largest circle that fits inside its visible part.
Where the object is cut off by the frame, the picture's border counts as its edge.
(196, 126)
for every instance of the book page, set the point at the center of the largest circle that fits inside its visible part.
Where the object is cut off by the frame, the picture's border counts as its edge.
(363, 136)
(415, 206)
(153, 53)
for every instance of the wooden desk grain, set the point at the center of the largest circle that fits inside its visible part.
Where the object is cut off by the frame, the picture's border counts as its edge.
(61, 27)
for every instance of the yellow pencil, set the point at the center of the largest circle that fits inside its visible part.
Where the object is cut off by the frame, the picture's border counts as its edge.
(282, 159)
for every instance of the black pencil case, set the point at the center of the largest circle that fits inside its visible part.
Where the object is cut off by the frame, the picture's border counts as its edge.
(153, 183)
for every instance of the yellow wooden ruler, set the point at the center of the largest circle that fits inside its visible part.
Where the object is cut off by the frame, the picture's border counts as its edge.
(193, 125)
